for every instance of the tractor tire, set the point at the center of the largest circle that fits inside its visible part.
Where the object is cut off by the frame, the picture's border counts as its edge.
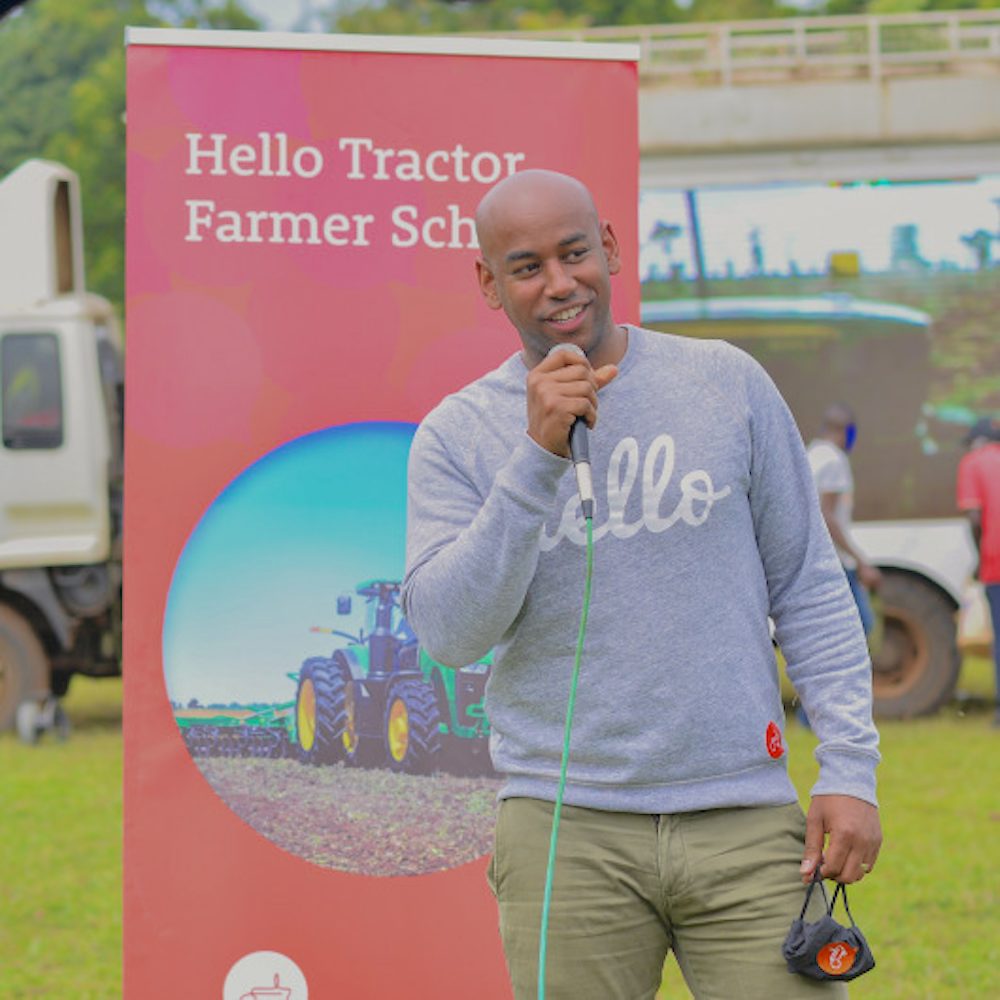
(359, 750)
(320, 712)
(916, 667)
(411, 728)
(24, 666)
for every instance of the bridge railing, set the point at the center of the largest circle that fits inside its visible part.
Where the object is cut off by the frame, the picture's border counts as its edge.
(873, 46)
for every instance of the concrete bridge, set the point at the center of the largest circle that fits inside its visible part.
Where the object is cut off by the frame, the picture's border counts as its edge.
(901, 97)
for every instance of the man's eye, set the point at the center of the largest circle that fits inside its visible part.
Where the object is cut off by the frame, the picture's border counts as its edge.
(526, 269)
(577, 254)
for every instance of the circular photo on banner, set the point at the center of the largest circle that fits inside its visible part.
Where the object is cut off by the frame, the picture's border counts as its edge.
(298, 686)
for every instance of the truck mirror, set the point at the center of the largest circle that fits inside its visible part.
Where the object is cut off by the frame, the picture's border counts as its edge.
(344, 604)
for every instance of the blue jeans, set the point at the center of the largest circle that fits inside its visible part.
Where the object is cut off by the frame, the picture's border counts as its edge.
(861, 600)
(993, 596)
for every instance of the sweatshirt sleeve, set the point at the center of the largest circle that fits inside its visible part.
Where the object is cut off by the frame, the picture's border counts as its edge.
(816, 620)
(471, 557)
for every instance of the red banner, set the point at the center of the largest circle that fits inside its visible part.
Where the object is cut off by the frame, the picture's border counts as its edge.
(301, 292)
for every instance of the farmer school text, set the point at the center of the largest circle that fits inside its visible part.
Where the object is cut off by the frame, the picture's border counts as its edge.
(357, 159)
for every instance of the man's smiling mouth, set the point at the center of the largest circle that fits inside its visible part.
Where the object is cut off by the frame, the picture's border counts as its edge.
(567, 314)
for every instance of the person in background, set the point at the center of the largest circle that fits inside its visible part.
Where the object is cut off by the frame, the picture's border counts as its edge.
(831, 469)
(978, 496)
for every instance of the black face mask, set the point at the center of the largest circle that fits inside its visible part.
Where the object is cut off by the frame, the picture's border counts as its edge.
(825, 949)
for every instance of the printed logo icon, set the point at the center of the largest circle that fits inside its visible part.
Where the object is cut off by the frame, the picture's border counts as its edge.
(836, 958)
(772, 739)
(265, 975)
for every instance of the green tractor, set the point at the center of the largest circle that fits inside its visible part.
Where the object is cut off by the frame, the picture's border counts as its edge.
(382, 701)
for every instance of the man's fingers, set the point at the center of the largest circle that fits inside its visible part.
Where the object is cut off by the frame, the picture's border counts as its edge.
(605, 374)
(854, 868)
(813, 853)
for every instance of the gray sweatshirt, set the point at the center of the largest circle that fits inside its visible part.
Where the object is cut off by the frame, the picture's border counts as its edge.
(706, 523)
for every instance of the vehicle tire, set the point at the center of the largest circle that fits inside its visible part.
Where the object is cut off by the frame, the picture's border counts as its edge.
(916, 667)
(320, 715)
(359, 750)
(24, 667)
(411, 728)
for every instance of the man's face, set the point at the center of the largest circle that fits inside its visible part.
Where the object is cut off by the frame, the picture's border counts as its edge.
(547, 263)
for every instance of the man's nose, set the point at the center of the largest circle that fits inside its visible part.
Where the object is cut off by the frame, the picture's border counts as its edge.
(559, 283)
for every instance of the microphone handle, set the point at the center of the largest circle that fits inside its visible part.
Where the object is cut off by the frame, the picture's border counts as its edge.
(579, 441)
(579, 449)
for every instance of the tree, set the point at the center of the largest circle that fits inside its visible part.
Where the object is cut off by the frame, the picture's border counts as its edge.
(665, 233)
(436, 16)
(981, 244)
(63, 67)
(220, 14)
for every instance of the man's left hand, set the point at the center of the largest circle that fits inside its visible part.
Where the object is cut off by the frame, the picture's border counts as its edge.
(855, 836)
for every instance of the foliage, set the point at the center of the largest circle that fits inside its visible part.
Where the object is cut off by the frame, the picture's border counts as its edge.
(437, 16)
(63, 67)
(43, 49)
(217, 14)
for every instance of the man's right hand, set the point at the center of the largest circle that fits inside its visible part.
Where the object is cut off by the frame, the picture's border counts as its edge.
(562, 387)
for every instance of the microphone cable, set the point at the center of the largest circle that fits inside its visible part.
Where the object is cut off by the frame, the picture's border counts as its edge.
(543, 939)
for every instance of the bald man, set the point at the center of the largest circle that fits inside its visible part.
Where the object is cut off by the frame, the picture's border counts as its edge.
(681, 830)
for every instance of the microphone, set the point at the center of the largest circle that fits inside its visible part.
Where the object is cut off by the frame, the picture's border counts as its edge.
(579, 448)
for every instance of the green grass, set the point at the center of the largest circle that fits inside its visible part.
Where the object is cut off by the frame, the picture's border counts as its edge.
(60, 855)
(931, 913)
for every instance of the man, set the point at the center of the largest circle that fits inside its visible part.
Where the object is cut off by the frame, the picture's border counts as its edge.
(831, 469)
(979, 497)
(680, 828)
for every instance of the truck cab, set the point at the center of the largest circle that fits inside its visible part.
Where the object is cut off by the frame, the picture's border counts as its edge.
(61, 448)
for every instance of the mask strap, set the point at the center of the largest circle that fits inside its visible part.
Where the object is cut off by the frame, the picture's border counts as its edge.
(817, 879)
(841, 890)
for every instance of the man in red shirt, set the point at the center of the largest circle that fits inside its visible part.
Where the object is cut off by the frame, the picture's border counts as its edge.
(979, 497)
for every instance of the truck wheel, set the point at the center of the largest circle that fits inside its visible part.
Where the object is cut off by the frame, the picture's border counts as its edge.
(320, 713)
(412, 728)
(24, 667)
(916, 668)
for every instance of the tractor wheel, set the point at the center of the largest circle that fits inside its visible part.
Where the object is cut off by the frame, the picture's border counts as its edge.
(412, 728)
(357, 749)
(320, 712)
(24, 667)
(916, 666)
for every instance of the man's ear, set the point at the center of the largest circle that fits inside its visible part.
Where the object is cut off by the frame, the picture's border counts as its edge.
(610, 244)
(487, 284)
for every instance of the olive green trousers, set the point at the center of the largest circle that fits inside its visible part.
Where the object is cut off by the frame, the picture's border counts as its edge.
(719, 888)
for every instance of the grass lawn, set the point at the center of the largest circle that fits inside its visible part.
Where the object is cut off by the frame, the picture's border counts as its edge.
(932, 913)
(60, 855)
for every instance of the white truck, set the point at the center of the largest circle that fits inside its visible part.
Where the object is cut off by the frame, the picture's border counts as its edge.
(60, 455)
(875, 357)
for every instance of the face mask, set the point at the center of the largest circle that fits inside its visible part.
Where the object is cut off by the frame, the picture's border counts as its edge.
(826, 949)
(850, 436)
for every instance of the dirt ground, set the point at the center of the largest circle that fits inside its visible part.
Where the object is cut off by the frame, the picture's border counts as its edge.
(369, 822)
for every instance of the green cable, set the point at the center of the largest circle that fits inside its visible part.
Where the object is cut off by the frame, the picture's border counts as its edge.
(543, 941)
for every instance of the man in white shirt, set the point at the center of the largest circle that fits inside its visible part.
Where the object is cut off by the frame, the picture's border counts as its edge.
(834, 480)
